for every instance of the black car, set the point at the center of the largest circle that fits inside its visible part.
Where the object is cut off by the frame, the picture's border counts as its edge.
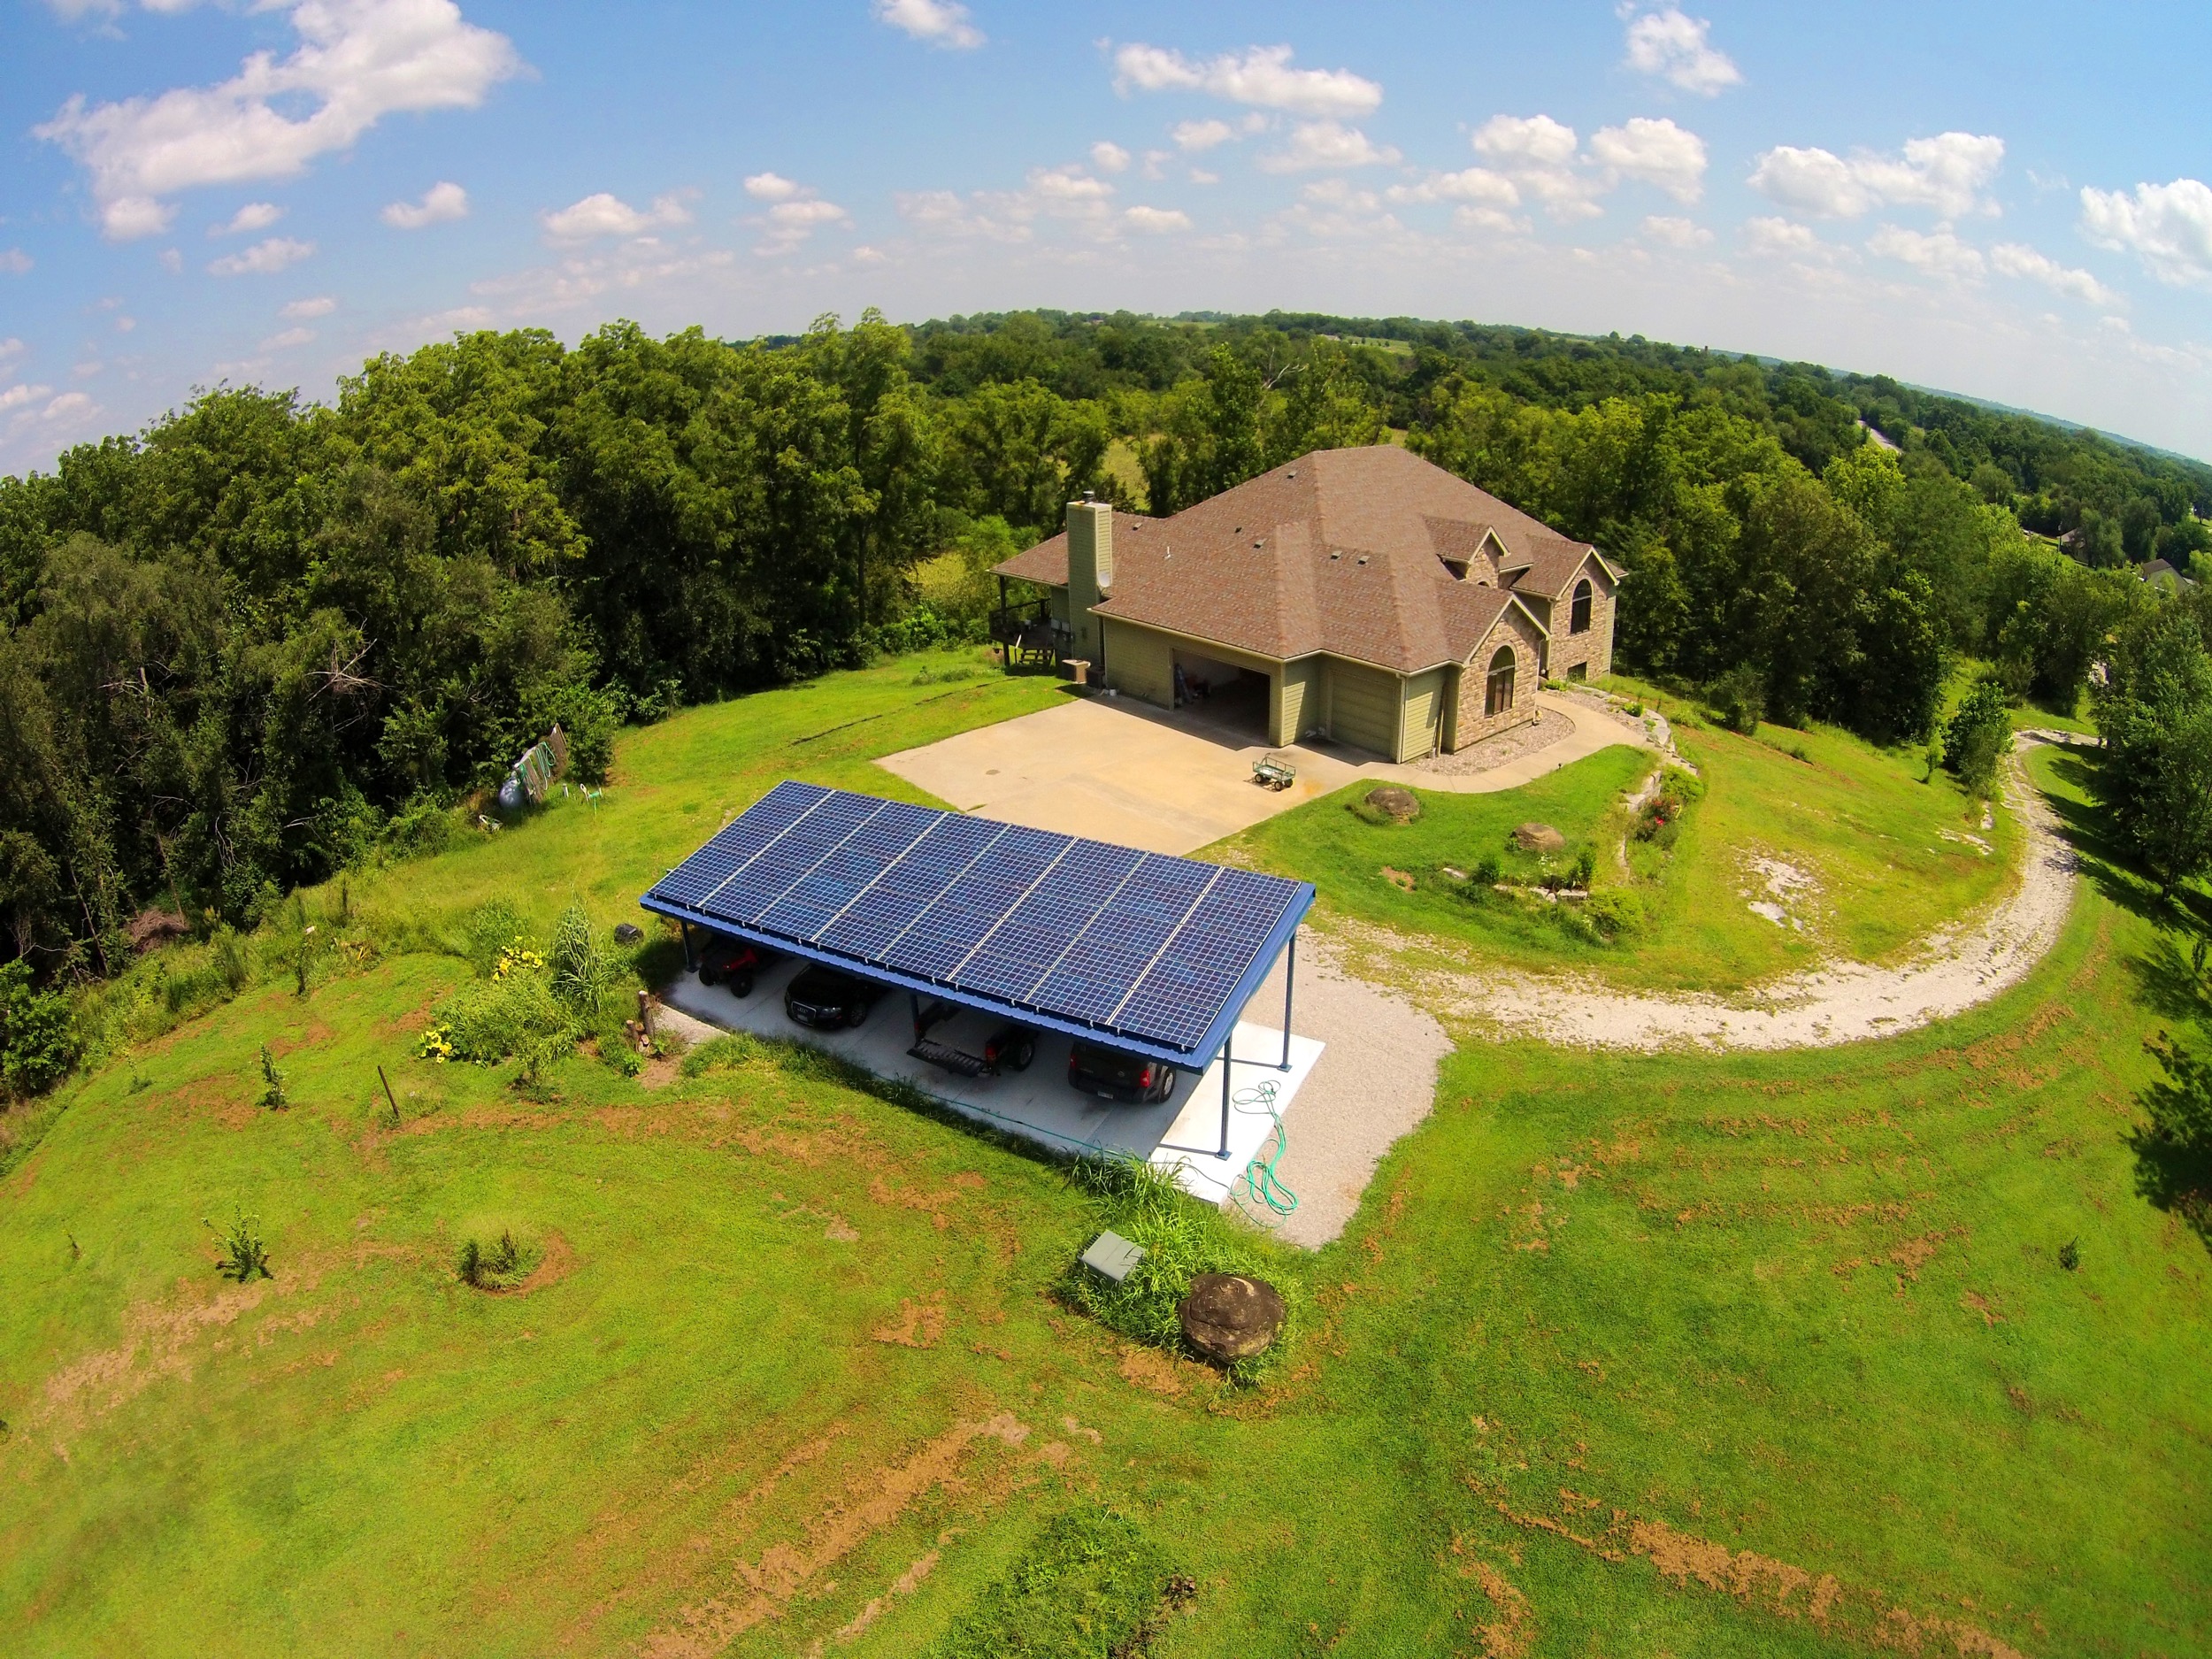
(1112, 1075)
(733, 961)
(1010, 1048)
(827, 1000)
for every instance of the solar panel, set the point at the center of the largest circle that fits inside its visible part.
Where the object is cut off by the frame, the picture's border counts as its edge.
(1084, 935)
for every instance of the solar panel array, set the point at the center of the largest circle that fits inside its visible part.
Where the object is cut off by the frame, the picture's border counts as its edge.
(1129, 943)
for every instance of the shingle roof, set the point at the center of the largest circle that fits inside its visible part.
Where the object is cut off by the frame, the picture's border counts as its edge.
(1342, 550)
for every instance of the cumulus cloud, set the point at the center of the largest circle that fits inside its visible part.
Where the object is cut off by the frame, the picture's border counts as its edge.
(1066, 193)
(1195, 137)
(1486, 198)
(1673, 47)
(15, 262)
(770, 186)
(1946, 172)
(1781, 236)
(1538, 154)
(1675, 233)
(18, 396)
(359, 61)
(442, 203)
(263, 258)
(2167, 227)
(303, 310)
(938, 22)
(289, 338)
(2018, 259)
(1939, 252)
(1262, 77)
(1658, 152)
(791, 223)
(605, 214)
(1156, 220)
(10, 348)
(1108, 156)
(253, 217)
(1327, 144)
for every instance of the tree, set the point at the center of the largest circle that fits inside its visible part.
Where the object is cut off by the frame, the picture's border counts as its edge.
(2154, 773)
(1978, 735)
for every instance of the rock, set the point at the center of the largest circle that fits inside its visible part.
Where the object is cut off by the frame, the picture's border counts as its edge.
(151, 929)
(1400, 806)
(627, 933)
(1538, 838)
(1228, 1316)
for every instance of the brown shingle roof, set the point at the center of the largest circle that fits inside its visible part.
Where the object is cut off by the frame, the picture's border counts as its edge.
(1341, 551)
(1553, 563)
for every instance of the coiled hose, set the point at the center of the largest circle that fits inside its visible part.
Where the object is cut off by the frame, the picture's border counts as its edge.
(1260, 1179)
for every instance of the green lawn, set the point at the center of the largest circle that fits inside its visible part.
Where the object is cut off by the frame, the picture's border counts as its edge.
(1612, 1338)
(1889, 858)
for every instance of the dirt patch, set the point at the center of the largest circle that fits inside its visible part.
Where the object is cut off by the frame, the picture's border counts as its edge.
(158, 1341)
(918, 1325)
(557, 1263)
(1151, 1370)
(905, 1584)
(1512, 1634)
(783, 1572)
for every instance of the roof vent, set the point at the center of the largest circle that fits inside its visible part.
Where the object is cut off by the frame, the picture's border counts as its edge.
(1261, 541)
(1292, 473)
(1363, 558)
(1336, 553)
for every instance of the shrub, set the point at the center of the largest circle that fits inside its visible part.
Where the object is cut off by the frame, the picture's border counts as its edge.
(1586, 868)
(489, 1020)
(491, 930)
(273, 1096)
(244, 1254)
(1615, 912)
(38, 1038)
(578, 971)
(1738, 699)
(227, 951)
(1091, 1582)
(1660, 817)
(1977, 736)
(501, 1265)
(1488, 873)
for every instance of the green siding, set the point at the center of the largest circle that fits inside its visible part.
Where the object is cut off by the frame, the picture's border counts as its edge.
(1139, 662)
(1297, 709)
(1419, 733)
(1363, 707)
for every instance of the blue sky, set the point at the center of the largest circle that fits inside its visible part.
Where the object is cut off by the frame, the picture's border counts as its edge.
(2004, 201)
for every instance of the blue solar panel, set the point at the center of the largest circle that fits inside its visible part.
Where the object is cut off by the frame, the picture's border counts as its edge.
(739, 841)
(879, 917)
(1127, 945)
(840, 879)
(948, 932)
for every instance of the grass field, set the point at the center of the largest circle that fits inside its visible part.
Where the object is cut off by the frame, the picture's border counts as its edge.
(1638, 1356)
(1887, 857)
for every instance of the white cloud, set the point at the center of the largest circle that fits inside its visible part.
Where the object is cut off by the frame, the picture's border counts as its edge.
(253, 217)
(1946, 172)
(2167, 227)
(15, 262)
(302, 310)
(770, 186)
(939, 22)
(10, 348)
(1327, 144)
(2016, 259)
(1477, 185)
(1676, 233)
(791, 223)
(604, 214)
(1156, 220)
(124, 324)
(69, 406)
(442, 202)
(1108, 156)
(1675, 48)
(1009, 216)
(17, 397)
(1194, 137)
(359, 61)
(1939, 252)
(262, 259)
(1656, 151)
(1538, 154)
(1779, 236)
(289, 338)
(171, 261)
(1263, 77)
(1198, 175)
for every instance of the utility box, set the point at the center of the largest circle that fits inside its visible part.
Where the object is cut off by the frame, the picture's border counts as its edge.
(1112, 1256)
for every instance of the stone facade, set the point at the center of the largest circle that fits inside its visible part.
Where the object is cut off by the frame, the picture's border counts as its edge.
(1590, 650)
(1514, 633)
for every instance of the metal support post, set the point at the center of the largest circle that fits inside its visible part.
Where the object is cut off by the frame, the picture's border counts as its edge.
(1226, 1062)
(1290, 981)
(691, 958)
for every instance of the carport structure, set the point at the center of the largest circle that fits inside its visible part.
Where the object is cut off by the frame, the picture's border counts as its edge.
(1151, 955)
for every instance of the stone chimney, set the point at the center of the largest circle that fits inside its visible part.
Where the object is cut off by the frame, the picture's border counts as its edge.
(1090, 575)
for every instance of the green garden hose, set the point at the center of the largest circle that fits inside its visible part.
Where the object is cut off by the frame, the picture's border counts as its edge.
(1260, 1179)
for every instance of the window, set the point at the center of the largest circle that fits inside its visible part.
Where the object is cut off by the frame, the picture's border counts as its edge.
(1498, 699)
(1579, 618)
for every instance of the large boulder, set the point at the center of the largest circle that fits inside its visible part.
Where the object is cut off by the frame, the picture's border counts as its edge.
(1228, 1316)
(1538, 838)
(1400, 806)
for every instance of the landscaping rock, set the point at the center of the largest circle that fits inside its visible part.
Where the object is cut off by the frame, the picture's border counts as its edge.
(1538, 838)
(1400, 806)
(1228, 1316)
(627, 933)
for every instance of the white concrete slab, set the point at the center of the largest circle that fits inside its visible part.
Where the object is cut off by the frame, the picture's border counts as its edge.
(1181, 1135)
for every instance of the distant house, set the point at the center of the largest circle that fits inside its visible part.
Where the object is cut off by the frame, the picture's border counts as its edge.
(1363, 595)
(2160, 573)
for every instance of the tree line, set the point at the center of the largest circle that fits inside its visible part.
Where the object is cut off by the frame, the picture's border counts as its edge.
(265, 637)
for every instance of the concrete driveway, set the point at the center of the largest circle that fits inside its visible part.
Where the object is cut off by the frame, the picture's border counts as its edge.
(1121, 771)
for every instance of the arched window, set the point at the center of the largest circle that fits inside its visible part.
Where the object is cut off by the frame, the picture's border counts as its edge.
(1579, 618)
(1498, 699)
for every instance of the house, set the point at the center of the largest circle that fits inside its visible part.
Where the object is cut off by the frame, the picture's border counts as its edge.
(1362, 595)
(2161, 574)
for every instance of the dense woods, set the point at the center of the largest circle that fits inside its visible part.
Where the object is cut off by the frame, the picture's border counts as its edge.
(264, 638)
